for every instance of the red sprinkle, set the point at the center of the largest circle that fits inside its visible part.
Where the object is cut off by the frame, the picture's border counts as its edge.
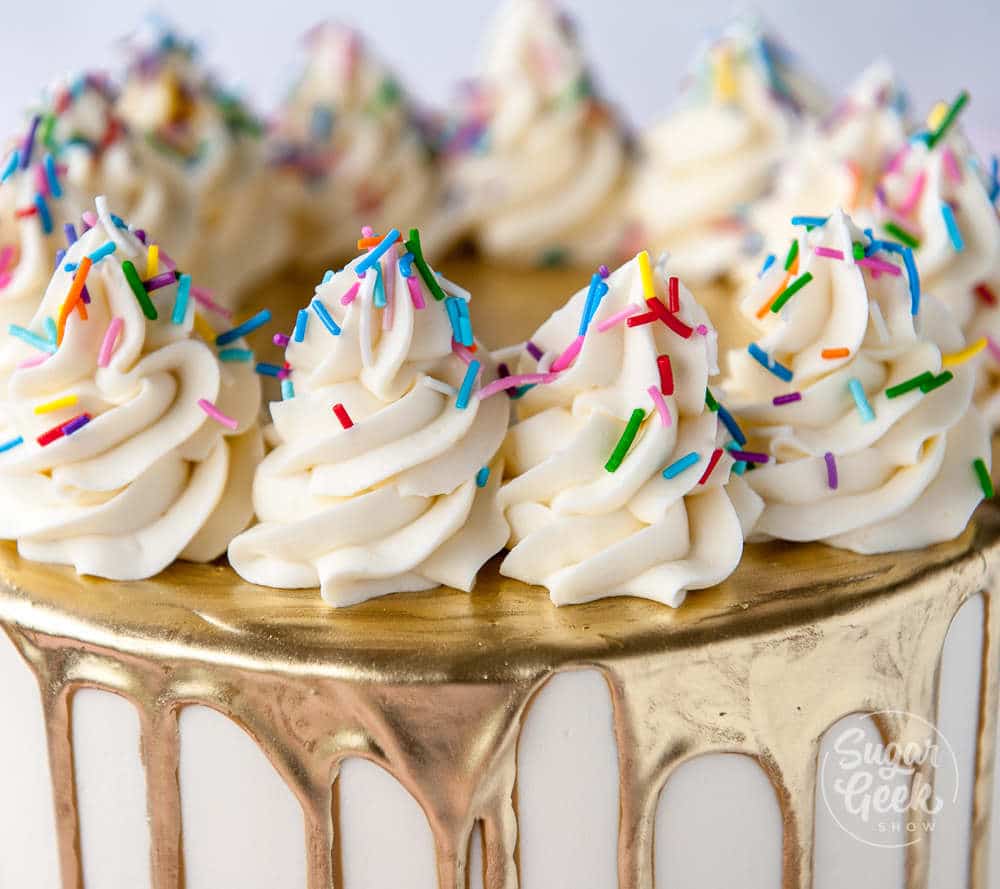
(25, 212)
(674, 295)
(666, 374)
(713, 460)
(343, 416)
(669, 318)
(986, 295)
(644, 318)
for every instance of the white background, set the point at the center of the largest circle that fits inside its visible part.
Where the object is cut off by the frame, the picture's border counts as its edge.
(638, 48)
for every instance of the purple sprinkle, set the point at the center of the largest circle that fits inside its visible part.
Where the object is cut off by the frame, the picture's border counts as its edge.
(503, 370)
(75, 424)
(60, 256)
(749, 456)
(787, 399)
(85, 295)
(831, 470)
(29, 142)
(602, 270)
(70, 234)
(281, 340)
(140, 233)
(284, 373)
(163, 280)
(533, 350)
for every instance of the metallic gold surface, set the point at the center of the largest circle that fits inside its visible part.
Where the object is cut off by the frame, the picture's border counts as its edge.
(435, 686)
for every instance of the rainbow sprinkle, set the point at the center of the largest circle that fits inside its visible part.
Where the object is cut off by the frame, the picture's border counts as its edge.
(731, 425)
(376, 253)
(861, 400)
(678, 466)
(212, 411)
(777, 368)
(625, 442)
(11, 444)
(135, 283)
(909, 385)
(181, 300)
(660, 405)
(948, 214)
(948, 119)
(301, 322)
(712, 463)
(482, 477)
(465, 390)
(247, 327)
(983, 474)
(31, 338)
(968, 352)
(231, 355)
(790, 291)
(341, 413)
(786, 399)
(831, 470)
(109, 342)
(412, 244)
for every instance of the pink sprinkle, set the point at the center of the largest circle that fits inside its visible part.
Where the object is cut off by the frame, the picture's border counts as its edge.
(389, 283)
(879, 265)
(281, 340)
(514, 380)
(34, 361)
(6, 255)
(916, 191)
(567, 357)
(617, 318)
(110, 341)
(217, 415)
(166, 261)
(897, 159)
(991, 344)
(701, 330)
(461, 352)
(41, 181)
(5, 279)
(829, 252)
(204, 298)
(661, 405)
(349, 297)
(415, 295)
(367, 231)
(89, 218)
(951, 168)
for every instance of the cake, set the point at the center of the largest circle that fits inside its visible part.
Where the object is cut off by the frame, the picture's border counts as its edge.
(818, 708)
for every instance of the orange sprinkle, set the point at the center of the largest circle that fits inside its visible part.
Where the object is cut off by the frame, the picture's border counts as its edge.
(856, 182)
(842, 352)
(764, 309)
(366, 243)
(74, 298)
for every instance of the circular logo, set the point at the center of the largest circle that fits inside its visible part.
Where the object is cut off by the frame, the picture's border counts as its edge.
(887, 795)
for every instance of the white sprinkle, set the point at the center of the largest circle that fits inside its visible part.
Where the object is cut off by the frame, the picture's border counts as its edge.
(453, 289)
(440, 386)
(879, 320)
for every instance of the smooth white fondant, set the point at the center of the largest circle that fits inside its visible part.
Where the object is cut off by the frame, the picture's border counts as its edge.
(384, 836)
(243, 827)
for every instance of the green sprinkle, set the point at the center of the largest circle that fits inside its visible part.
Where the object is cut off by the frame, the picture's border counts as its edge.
(902, 235)
(135, 282)
(983, 474)
(917, 382)
(859, 250)
(48, 128)
(790, 291)
(553, 258)
(430, 279)
(710, 401)
(793, 251)
(949, 118)
(936, 382)
(625, 442)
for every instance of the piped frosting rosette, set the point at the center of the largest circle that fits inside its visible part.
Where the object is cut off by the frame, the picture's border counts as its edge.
(617, 470)
(859, 389)
(937, 198)
(535, 158)
(214, 141)
(73, 148)
(351, 148)
(838, 161)
(718, 152)
(385, 475)
(125, 441)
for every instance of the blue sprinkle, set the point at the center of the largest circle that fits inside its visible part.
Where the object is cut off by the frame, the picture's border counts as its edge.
(10, 166)
(235, 355)
(406, 265)
(375, 254)
(678, 466)
(994, 190)
(70, 267)
(321, 123)
(465, 391)
(268, 370)
(326, 317)
(51, 329)
(43, 214)
(327, 276)
(50, 175)
(767, 264)
(952, 225)
(181, 300)
(861, 400)
(810, 220)
(287, 389)
(730, 423)
(70, 231)
(594, 296)
(914, 278)
(31, 338)
(13, 443)
(105, 249)
(119, 222)
(301, 322)
(777, 368)
(258, 320)
(482, 477)
(378, 297)
(60, 256)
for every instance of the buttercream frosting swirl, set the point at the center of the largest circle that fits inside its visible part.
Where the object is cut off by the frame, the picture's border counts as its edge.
(718, 151)
(353, 147)
(582, 526)
(535, 157)
(864, 406)
(109, 460)
(385, 475)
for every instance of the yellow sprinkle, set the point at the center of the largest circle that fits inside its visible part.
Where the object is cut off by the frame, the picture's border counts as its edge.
(725, 80)
(56, 404)
(966, 353)
(937, 115)
(204, 329)
(646, 273)
(153, 261)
